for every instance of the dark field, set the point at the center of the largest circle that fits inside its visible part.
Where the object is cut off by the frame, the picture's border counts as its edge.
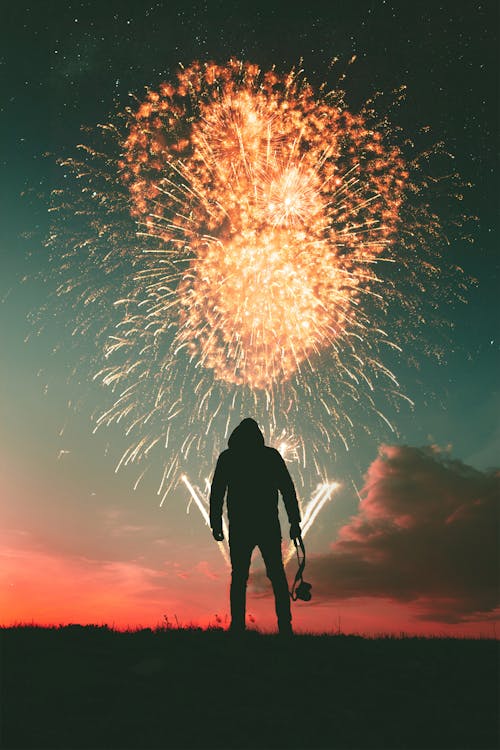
(91, 687)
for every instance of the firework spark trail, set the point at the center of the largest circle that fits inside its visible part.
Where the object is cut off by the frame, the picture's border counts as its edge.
(243, 239)
(202, 505)
(321, 496)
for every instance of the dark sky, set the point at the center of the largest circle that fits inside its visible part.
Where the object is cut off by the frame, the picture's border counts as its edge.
(68, 64)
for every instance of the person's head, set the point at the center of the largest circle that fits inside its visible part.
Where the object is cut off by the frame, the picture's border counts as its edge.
(246, 436)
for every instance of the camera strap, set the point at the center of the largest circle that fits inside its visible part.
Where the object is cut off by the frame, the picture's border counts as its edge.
(302, 564)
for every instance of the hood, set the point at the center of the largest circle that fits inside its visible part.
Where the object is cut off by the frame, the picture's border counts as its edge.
(247, 436)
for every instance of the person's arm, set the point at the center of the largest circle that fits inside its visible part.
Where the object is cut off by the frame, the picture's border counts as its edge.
(217, 492)
(287, 489)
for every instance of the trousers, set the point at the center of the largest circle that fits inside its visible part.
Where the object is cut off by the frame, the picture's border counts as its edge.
(241, 546)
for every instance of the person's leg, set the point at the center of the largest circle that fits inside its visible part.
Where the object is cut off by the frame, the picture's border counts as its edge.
(270, 547)
(241, 553)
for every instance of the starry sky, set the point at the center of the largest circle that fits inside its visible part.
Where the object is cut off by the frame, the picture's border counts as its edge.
(78, 543)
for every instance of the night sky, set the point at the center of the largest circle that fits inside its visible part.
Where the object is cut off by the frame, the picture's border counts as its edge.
(78, 543)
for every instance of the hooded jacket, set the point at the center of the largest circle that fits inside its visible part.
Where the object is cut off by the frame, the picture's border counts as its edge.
(251, 473)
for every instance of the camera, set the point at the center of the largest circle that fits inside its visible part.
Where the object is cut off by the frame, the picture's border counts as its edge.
(303, 591)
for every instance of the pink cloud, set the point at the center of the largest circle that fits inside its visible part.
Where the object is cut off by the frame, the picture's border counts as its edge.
(425, 533)
(51, 588)
(206, 570)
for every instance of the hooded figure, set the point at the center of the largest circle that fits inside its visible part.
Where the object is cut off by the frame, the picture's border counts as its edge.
(252, 473)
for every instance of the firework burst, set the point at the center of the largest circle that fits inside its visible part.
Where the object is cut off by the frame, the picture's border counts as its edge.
(243, 239)
(281, 201)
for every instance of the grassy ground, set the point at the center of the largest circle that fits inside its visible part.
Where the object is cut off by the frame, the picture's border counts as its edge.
(91, 687)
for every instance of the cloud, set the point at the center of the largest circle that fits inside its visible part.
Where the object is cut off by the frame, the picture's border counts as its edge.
(426, 533)
(37, 585)
(206, 570)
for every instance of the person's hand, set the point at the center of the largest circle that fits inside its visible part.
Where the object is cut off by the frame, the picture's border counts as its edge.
(218, 535)
(295, 530)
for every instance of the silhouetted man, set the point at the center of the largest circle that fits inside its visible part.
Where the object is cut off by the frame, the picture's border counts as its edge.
(252, 474)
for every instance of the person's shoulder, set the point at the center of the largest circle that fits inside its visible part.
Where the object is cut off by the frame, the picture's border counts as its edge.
(224, 455)
(273, 453)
